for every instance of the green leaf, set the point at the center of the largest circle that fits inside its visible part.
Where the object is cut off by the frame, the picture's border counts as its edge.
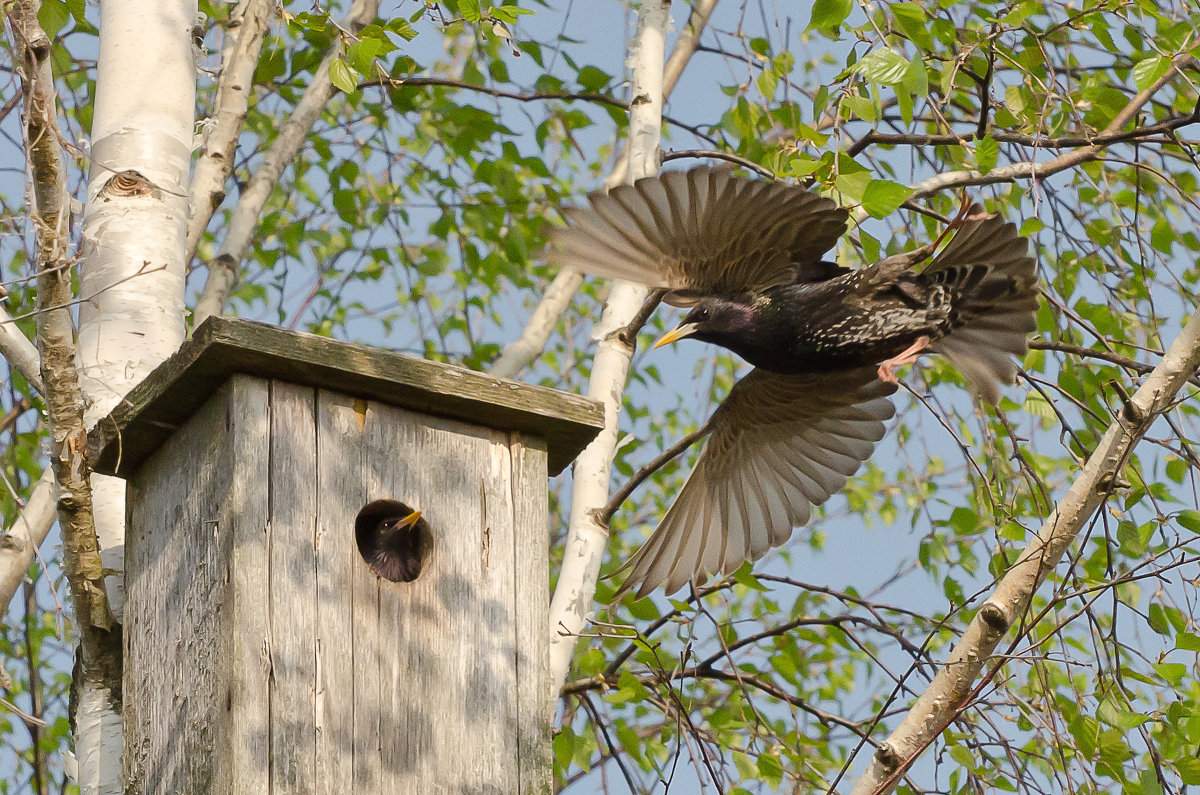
(593, 79)
(402, 28)
(564, 746)
(1147, 71)
(1188, 768)
(853, 185)
(1156, 617)
(1189, 519)
(342, 76)
(828, 15)
(912, 20)
(361, 54)
(1186, 641)
(771, 770)
(986, 152)
(52, 16)
(963, 756)
(745, 576)
(470, 10)
(884, 66)
(883, 197)
(1148, 780)
(1120, 717)
(509, 13)
(862, 108)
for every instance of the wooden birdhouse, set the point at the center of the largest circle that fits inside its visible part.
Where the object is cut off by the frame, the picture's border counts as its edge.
(262, 652)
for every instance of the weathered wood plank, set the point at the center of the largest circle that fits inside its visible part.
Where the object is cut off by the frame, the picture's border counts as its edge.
(340, 486)
(532, 608)
(246, 621)
(175, 588)
(222, 346)
(293, 587)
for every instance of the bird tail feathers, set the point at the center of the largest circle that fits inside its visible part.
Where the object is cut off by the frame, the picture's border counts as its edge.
(994, 283)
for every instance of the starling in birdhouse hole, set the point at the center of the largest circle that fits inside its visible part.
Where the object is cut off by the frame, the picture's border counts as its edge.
(746, 257)
(393, 539)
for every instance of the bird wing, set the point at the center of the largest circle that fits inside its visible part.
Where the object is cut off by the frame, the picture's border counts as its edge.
(779, 445)
(704, 230)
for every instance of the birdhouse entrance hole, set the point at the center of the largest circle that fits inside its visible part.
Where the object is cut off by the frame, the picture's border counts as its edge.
(394, 539)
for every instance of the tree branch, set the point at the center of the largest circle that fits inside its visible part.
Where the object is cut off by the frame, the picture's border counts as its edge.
(19, 542)
(1104, 356)
(223, 270)
(1062, 142)
(64, 401)
(247, 24)
(1035, 170)
(517, 355)
(20, 352)
(952, 684)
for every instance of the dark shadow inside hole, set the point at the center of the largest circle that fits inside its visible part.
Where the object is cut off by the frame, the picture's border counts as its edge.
(393, 539)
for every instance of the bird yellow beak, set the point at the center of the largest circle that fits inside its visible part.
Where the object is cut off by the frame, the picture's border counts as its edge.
(677, 333)
(409, 520)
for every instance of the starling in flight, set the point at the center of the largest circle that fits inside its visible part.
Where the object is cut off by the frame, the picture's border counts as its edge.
(745, 256)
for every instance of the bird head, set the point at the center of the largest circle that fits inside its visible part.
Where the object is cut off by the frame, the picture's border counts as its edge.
(720, 320)
(391, 526)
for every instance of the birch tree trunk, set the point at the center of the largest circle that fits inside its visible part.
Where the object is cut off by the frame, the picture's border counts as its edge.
(572, 602)
(132, 272)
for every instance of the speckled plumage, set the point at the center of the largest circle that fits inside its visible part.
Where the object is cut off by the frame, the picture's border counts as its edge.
(746, 257)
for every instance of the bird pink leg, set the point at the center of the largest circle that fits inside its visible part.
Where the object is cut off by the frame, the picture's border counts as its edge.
(909, 355)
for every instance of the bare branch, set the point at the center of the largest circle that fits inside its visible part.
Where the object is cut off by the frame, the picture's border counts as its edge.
(20, 352)
(1061, 142)
(952, 684)
(223, 271)
(517, 355)
(64, 401)
(27, 533)
(247, 24)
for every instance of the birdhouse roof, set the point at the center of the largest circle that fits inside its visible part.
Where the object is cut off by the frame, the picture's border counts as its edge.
(221, 347)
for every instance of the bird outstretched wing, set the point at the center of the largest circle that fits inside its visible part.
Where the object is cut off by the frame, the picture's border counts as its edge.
(778, 445)
(704, 231)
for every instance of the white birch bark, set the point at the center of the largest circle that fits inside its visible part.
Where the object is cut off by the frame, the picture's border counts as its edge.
(517, 355)
(132, 273)
(20, 352)
(21, 541)
(947, 693)
(572, 601)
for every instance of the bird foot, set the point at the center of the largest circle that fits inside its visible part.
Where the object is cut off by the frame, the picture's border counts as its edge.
(887, 368)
